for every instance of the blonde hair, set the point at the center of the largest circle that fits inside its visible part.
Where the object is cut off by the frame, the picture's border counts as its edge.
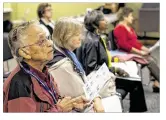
(65, 29)
(17, 37)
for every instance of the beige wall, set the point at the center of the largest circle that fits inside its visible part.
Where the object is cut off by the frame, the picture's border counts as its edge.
(28, 10)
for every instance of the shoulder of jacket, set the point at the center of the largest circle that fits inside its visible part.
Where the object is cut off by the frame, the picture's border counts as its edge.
(21, 78)
(63, 63)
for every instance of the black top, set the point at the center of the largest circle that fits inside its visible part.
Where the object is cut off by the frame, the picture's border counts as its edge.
(50, 29)
(108, 11)
(92, 53)
(104, 10)
(20, 86)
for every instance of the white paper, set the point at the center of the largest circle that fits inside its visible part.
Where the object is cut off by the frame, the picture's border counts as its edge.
(130, 67)
(154, 47)
(112, 104)
(96, 81)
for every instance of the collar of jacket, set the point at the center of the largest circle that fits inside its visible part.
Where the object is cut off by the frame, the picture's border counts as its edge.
(74, 65)
(46, 23)
(40, 92)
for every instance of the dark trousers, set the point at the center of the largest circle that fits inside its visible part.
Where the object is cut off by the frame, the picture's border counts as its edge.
(137, 97)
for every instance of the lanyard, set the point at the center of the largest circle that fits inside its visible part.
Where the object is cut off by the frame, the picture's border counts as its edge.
(53, 94)
(107, 51)
(77, 65)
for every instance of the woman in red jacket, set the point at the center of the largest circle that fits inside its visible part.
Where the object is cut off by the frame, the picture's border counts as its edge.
(126, 39)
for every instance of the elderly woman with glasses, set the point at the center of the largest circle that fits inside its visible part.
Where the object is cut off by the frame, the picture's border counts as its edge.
(30, 88)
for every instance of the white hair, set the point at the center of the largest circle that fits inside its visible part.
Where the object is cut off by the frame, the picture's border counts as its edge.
(17, 37)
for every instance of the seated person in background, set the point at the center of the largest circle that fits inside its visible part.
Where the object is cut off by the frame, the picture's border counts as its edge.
(127, 41)
(30, 88)
(65, 67)
(44, 12)
(111, 8)
(93, 53)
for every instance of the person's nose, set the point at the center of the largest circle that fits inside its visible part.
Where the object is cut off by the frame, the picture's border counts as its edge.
(49, 43)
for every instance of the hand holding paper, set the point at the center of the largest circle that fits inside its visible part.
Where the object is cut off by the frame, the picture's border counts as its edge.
(121, 72)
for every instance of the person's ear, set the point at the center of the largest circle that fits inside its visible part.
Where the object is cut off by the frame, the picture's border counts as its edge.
(24, 53)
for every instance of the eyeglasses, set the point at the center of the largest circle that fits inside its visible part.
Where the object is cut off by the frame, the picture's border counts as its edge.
(43, 42)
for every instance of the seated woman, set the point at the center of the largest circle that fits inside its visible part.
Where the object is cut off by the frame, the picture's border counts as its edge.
(44, 12)
(30, 88)
(127, 41)
(65, 67)
(93, 53)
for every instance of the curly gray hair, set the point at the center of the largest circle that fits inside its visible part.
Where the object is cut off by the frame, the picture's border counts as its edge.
(92, 19)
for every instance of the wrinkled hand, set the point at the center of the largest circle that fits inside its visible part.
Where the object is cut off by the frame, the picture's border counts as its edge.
(121, 72)
(98, 107)
(81, 103)
(66, 104)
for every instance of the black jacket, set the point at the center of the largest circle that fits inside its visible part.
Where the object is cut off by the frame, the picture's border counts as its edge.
(50, 29)
(92, 53)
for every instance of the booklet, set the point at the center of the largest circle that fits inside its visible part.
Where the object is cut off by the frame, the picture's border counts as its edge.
(96, 81)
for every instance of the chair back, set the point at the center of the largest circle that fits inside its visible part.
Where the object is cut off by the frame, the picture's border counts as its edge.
(6, 49)
(112, 41)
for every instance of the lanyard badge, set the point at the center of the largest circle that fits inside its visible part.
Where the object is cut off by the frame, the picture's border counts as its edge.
(45, 86)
